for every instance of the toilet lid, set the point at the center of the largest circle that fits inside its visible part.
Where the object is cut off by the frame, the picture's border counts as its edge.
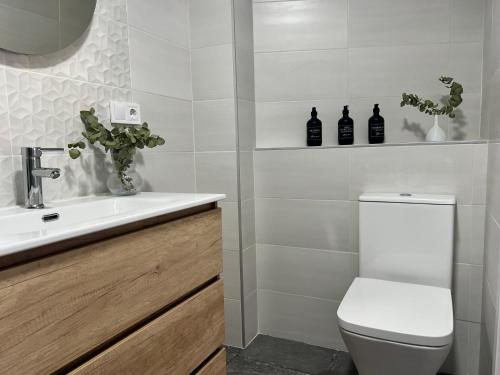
(406, 313)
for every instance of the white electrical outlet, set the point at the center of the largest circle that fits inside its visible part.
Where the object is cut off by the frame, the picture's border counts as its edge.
(125, 113)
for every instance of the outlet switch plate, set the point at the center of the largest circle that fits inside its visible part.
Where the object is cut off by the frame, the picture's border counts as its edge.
(125, 113)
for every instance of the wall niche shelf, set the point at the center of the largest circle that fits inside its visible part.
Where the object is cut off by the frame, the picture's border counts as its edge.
(471, 142)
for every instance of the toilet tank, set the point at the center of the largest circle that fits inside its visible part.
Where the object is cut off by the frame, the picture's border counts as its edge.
(407, 237)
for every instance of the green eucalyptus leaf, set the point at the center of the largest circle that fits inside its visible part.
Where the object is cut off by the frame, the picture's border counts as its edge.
(74, 153)
(456, 89)
(429, 107)
(122, 140)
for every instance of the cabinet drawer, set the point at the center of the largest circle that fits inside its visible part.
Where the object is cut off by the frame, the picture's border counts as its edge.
(54, 310)
(216, 366)
(176, 343)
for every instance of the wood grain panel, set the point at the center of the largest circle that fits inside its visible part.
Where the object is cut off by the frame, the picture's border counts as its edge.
(175, 343)
(54, 310)
(216, 366)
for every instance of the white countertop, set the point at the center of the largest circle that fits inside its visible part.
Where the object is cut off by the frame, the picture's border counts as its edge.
(22, 229)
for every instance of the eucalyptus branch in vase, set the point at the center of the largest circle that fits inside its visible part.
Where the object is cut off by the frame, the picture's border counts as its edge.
(121, 141)
(429, 107)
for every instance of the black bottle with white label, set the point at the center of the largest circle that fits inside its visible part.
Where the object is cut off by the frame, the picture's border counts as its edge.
(346, 128)
(376, 133)
(314, 130)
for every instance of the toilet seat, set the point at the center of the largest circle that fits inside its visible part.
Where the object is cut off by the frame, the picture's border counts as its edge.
(400, 312)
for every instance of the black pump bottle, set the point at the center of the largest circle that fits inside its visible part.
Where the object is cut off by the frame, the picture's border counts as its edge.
(346, 128)
(314, 130)
(376, 133)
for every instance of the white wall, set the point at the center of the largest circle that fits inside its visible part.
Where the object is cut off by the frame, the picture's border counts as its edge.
(160, 69)
(245, 91)
(215, 136)
(183, 63)
(490, 350)
(224, 128)
(307, 236)
(328, 53)
(177, 59)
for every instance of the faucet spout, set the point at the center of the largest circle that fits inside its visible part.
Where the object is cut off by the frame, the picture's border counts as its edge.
(52, 173)
(33, 173)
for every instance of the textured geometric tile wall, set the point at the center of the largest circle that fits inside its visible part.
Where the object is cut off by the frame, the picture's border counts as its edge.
(113, 9)
(41, 96)
(5, 147)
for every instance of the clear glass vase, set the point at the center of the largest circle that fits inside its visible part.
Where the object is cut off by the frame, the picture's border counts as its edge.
(126, 181)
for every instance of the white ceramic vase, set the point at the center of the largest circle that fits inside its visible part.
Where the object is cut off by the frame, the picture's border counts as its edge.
(436, 134)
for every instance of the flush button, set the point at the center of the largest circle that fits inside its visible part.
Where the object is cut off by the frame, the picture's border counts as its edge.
(405, 195)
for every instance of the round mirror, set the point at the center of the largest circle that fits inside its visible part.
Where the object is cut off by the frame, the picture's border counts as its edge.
(37, 27)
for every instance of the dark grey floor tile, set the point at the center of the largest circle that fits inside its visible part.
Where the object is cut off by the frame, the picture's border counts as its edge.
(290, 354)
(245, 366)
(272, 356)
(232, 352)
(343, 365)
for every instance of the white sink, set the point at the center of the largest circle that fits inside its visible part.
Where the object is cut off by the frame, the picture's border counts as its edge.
(22, 229)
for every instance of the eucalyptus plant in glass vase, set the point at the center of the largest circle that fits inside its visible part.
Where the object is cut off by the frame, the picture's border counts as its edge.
(451, 102)
(122, 142)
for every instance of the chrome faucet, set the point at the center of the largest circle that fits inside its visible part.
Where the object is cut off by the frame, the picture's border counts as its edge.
(33, 174)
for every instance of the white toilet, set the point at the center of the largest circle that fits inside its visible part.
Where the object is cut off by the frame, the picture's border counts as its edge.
(397, 317)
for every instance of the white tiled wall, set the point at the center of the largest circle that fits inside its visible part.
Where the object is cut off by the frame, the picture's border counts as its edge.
(211, 23)
(245, 91)
(194, 79)
(307, 236)
(145, 57)
(216, 130)
(224, 130)
(158, 67)
(214, 107)
(160, 70)
(490, 305)
(328, 53)
(178, 59)
(490, 350)
(167, 19)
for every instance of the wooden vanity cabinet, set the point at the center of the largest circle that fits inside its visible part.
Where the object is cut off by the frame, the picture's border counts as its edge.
(145, 300)
(215, 366)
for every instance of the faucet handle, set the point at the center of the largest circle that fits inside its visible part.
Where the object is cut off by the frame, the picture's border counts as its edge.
(51, 149)
(36, 152)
